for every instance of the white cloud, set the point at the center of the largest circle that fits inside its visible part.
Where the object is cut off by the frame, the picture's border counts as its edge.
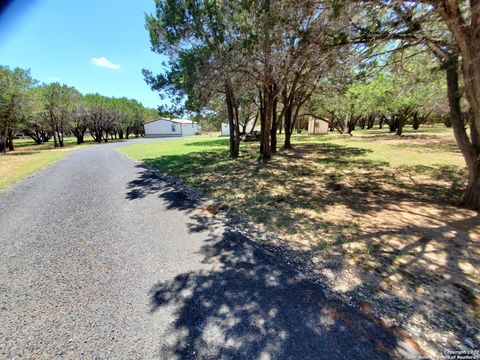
(104, 62)
(53, 79)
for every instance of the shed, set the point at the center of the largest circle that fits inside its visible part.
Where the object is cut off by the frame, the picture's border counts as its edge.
(249, 127)
(225, 130)
(317, 126)
(171, 127)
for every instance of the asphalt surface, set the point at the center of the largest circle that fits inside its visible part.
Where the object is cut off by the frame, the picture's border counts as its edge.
(101, 259)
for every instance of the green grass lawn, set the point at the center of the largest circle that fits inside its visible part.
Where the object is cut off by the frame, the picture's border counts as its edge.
(296, 193)
(429, 148)
(29, 157)
(68, 142)
(15, 166)
(373, 203)
(424, 165)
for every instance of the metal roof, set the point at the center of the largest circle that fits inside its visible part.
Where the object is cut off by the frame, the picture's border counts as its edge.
(177, 121)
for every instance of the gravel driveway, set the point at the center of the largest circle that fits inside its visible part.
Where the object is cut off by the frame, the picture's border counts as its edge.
(100, 259)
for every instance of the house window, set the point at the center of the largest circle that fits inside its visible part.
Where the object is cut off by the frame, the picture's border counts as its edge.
(174, 128)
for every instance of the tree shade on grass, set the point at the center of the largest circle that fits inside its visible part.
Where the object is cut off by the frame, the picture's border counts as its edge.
(319, 171)
(372, 214)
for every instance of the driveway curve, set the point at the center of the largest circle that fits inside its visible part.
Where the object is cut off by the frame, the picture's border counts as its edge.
(101, 259)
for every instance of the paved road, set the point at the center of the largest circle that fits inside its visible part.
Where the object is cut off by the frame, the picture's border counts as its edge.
(100, 259)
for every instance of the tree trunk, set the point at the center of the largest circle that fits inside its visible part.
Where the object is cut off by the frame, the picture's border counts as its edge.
(3, 145)
(471, 197)
(37, 140)
(287, 121)
(254, 122)
(346, 126)
(380, 122)
(273, 131)
(268, 86)
(79, 137)
(232, 120)
(55, 142)
(60, 136)
(288, 141)
(370, 121)
(35, 135)
(266, 123)
(45, 136)
(79, 134)
(10, 140)
(467, 37)
(400, 124)
(244, 128)
(98, 135)
(415, 120)
(362, 122)
(351, 124)
(468, 147)
(392, 123)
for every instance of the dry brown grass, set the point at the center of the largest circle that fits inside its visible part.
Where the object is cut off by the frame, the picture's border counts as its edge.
(18, 164)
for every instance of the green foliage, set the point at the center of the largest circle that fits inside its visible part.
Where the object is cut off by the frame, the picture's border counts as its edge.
(58, 109)
(404, 85)
(15, 97)
(209, 121)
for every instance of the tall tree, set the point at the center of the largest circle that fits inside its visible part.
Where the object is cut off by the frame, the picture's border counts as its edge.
(200, 40)
(59, 103)
(450, 30)
(35, 124)
(15, 99)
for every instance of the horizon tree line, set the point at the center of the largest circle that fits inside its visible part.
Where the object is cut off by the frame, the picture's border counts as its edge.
(46, 111)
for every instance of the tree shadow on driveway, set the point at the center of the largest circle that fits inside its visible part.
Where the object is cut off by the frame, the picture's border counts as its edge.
(247, 304)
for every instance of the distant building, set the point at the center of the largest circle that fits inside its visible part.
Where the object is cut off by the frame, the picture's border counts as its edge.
(251, 125)
(171, 127)
(317, 126)
(225, 130)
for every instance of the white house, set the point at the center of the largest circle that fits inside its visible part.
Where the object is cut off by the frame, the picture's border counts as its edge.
(171, 127)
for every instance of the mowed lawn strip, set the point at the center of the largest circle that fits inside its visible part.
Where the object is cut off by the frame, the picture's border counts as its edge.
(17, 165)
(374, 213)
(29, 157)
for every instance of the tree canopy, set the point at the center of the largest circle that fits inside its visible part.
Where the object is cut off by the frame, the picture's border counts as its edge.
(55, 110)
(348, 62)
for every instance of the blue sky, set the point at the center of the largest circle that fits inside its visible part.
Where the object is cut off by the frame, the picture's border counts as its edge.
(95, 45)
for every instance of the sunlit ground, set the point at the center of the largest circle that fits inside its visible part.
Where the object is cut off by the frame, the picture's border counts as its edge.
(374, 214)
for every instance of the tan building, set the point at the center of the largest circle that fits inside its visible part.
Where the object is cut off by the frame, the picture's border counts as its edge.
(317, 126)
